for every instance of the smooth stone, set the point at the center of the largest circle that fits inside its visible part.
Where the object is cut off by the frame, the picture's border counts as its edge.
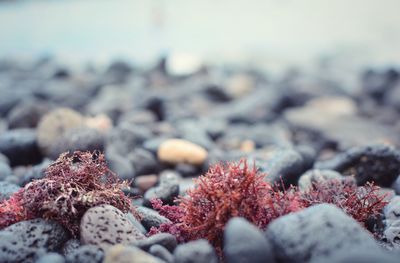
(54, 124)
(151, 218)
(317, 233)
(315, 176)
(167, 190)
(51, 258)
(20, 146)
(162, 253)
(199, 251)
(105, 226)
(143, 161)
(377, 163)
(244, 242)
(127, 254)
(164, 239)
(86, 254)
(176, 151)
(5, 171)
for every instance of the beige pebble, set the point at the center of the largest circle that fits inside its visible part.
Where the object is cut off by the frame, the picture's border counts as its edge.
(125, 254)
(176, 151)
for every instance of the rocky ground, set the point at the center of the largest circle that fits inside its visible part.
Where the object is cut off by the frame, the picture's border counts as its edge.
(160, 128)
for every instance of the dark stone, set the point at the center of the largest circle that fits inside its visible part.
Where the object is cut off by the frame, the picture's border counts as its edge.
(34, 172)
(27, 114)
(186, 169)
(70, 246)
(162, 253)
(378, 163)
(86, 254)
(77, 139)
(167, 190)
(281, 164)
(316, 233)
(151, 218)
(120, 165)
(26, 240)
(143, 161)
(126, 137)
(244, 242)
(199, 251)
(20, 147)
(51, 258)
(7, 189)
(164, 239)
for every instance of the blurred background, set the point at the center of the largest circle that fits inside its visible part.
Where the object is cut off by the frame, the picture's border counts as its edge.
(272, 33)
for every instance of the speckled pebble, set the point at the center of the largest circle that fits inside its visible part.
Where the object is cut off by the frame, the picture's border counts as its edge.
(86, 254)
(105, 226)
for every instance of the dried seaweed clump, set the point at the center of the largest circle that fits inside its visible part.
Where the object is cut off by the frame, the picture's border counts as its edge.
(225, 191)
(235, 189)
(360, 202)
(71, 185)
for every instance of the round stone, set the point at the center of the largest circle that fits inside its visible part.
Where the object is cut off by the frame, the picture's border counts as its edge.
(106, 225)
(176, 151)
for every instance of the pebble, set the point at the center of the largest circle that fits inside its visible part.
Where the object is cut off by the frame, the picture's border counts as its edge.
(105, 226)
(27, 114)
(280, 164)
(167, 190)
(315, 176)
(70, 246)
(151, 218)
(364, 256)
(316, 233)
(25, 240)
(176, 151)
(164, 239)
(51, 258)
(7, 189)
(125, 254)
(145, 182)
(143, 161)
(77, 139)
(20, 146)
(162, 253)
(244, 242)
(5, 170)
(378, 163)
(86, 254)
(54, 124)
(199, 251)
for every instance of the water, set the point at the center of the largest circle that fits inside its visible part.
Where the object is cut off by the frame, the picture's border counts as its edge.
(257, 30)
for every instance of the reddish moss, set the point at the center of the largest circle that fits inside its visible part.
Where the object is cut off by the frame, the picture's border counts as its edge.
(225, 191)
(361, 203)
(71, 185)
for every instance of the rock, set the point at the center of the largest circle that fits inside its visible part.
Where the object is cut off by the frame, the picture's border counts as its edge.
(20, 146)
(164, 239)
(51, 258)
(151, 218)
(86, 254)
(105, 226)
(136, 223)
(77, 139)
(162, 253)
(244, 242)
(27, 114)
(125, 254)
(7, 189)
(199, 251)
(27, 240)
(5, 171)
(280, 163)
(70, 246)
(101, 123)
(54, 124)
(176, 151)
(316, 233)
(167, 190)
(315, 176)
(34, 172)
(334, 120)
(239, 85)
(392, 222)
(120, 165)
(195, 132)
(182, 64)
(364, 256)
(378, 163)
(145, 182)
(187, 170)
(143, 161)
